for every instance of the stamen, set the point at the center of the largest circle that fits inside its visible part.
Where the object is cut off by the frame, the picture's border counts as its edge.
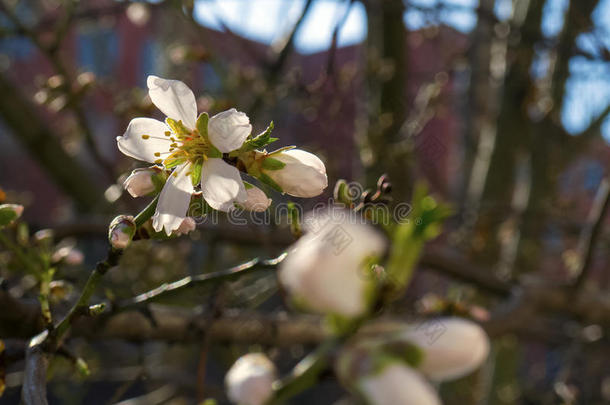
(145, 136)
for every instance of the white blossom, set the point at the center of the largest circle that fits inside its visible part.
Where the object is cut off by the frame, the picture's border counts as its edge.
(186, 150)
(452, 347)
(325, 269)
(249, 381)
(304, 174)
(395, 384)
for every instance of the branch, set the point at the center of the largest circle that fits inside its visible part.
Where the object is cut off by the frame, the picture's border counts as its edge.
(34, 391)
(591, 231)
(169, 289)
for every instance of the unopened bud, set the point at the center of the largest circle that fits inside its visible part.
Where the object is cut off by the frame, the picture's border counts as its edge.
(257, 200)
(141, 182)
(121, 231)
(249, 381)
(59, 290)
(43, 237)
(452, 347)
(9, 213)
(296, 172)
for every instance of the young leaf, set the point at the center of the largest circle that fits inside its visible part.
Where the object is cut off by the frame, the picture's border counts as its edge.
(260, 141)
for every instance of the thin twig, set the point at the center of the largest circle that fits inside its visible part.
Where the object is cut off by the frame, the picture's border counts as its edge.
(591, 231)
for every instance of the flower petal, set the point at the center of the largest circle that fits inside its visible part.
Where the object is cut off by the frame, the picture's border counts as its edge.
(221, 185)
(229, 129)
(174, 200)
(174, 99)
(143, 138)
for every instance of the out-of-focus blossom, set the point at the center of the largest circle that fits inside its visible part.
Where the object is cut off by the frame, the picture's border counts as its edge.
(452, 347)
(249, 381)
(326, 269)
(9, 213)
(395, 384)
(188, 225)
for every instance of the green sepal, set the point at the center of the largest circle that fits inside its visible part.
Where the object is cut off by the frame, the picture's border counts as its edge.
(158, 180)
(202, 124)
(270, 182)
(270, 163)
(342, 194)
(247, 185)
(280, 150)
(405, 351)
(196, 172)
(177, 127)
(213, 152)
(260, 141)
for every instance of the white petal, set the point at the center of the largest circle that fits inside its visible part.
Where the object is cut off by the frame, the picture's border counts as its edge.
(174, 200)
(221, 185)
(229, 129)
(174, 99)
(134, 145)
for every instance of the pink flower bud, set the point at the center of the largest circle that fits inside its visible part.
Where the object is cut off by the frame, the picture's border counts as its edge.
(257, 199)
(140, 182)
(121, 231)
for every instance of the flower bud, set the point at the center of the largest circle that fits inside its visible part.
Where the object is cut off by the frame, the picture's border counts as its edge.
(188, 225)
(452, 347)
(121, 231)
(395, 384)
(326, 270)
(298, 173)
(249, 381)
(257, 199)
(9, 213)
(141, 182)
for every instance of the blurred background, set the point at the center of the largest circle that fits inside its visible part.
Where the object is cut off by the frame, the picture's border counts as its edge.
(500, 106)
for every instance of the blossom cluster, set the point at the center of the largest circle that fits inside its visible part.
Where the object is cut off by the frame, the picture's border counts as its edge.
(198, 155)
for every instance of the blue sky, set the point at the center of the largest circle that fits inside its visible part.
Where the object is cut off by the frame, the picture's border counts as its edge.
(269, 20)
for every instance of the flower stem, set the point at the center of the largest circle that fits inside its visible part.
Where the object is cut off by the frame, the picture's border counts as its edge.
(81, 306)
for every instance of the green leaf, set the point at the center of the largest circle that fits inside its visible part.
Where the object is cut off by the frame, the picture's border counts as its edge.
(270, 182)
(260, 141)
(270, 163)
(196, 172)
(202, 124)
(178, 127)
